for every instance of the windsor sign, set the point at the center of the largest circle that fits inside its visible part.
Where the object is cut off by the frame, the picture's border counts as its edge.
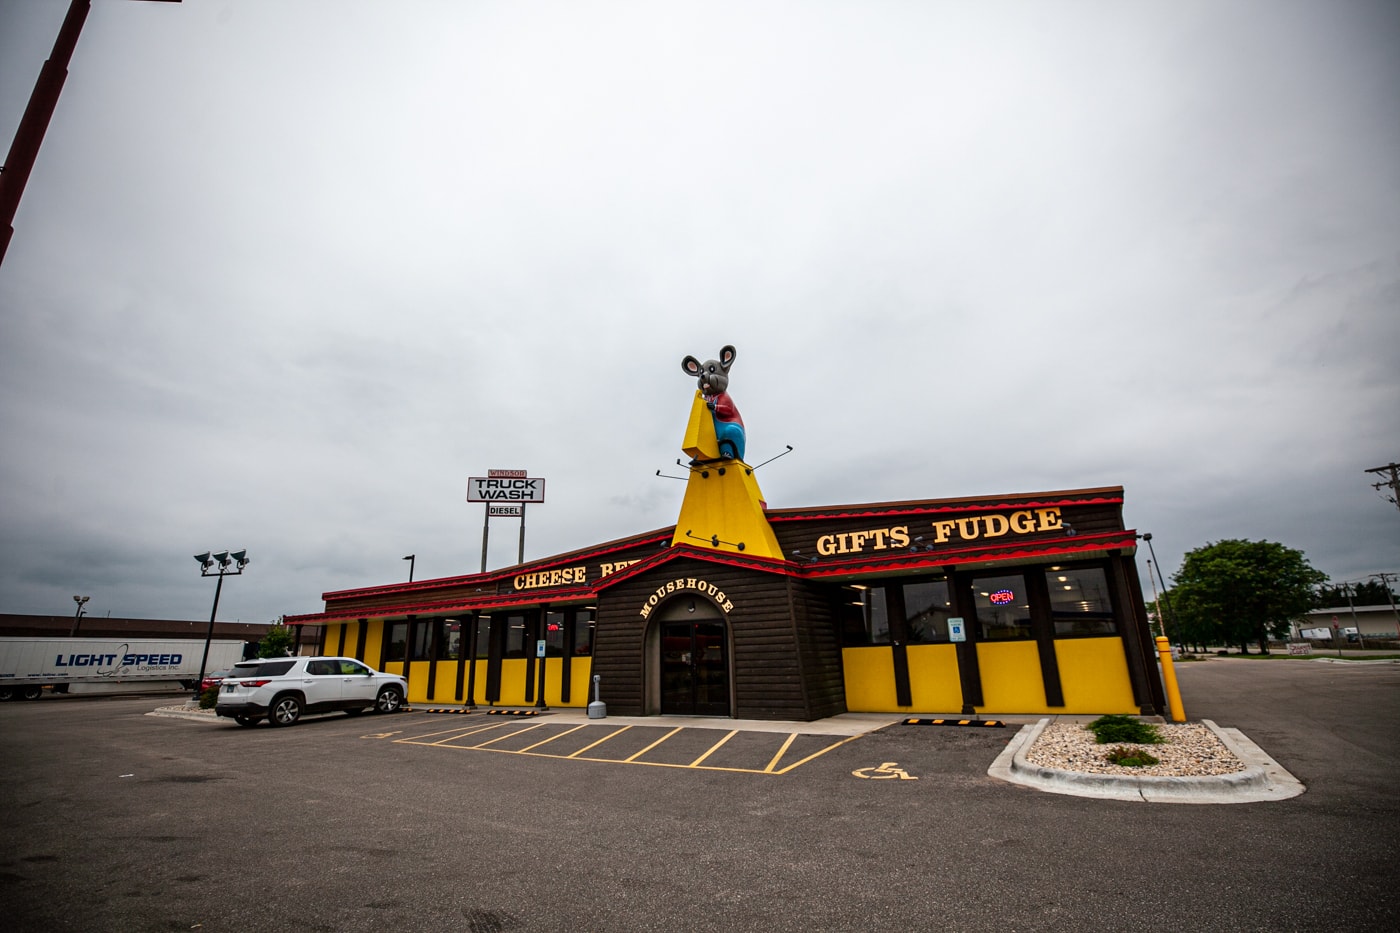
(505, 486)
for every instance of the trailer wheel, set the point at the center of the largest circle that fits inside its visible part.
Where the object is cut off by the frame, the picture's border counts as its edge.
(31, 692)
(7, 693)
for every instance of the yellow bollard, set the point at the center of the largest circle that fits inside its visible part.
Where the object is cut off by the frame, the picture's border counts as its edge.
(1164, 652)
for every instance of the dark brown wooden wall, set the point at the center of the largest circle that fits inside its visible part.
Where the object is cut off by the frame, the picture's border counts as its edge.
(773, 649)
(819, 646)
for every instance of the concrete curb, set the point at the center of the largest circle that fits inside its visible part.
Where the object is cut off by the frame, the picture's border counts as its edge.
(185, 712)
(1262, 779)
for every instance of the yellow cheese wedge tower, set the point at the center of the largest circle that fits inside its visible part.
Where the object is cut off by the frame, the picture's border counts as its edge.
(723, 507)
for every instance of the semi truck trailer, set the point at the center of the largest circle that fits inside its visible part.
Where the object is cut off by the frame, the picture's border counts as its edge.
(28, 665)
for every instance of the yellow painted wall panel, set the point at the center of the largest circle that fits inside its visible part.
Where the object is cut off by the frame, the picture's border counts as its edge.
(933, 679)
(1011, 681)
(477, 697)
(579, 684)
(869, 674)
(374, 638)
(417, 681)
(513, 681)
(581, 675)
(445, 683)
(1094, 676)
(352, 638)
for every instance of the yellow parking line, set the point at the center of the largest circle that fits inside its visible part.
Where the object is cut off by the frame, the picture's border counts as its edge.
(786, 745)
(463, 733)
(456, 735)
(509, 735)
(553, 737)
(714, 748)
(599, 742)
(429, 735)
(654, 744)
(816, 754)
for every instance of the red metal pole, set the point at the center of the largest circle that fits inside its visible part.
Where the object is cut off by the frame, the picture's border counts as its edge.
(35, 122)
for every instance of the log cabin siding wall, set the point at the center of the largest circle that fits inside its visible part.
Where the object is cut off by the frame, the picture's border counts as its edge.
(819, 646)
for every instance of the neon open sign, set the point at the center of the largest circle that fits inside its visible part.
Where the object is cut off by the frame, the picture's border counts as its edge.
(1002, 597)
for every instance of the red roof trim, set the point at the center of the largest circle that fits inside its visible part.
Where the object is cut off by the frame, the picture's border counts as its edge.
(898, 508)
(495, 576)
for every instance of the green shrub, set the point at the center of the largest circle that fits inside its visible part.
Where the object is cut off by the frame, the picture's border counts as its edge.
(1130, 757)
(209, 698)
(1116, 727)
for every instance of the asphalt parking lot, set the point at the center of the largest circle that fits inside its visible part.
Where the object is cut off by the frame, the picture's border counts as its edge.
(118, 820)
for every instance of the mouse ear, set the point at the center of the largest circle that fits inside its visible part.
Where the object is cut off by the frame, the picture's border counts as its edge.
(726, 357)
(691, 366)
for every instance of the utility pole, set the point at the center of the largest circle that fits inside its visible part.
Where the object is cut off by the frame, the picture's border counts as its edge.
(1355, 624)
(1385, 579)
(1393, 483)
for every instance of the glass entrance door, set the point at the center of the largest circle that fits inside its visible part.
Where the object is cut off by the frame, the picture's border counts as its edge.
(694, 669)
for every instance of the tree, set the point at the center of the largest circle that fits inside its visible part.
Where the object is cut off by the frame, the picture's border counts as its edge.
(278, 642)
(1365, 593)
(1239, 591)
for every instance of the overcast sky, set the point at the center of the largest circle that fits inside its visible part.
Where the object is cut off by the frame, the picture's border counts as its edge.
(288, 272)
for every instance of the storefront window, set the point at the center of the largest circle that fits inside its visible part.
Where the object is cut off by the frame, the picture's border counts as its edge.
(927, 607)
(515, 637)
(864, 619)
(583, 633)
(449, 639)
(423, 639)
(554, 634)
(1079, 601)
(1003, 607)
(396, 641)
(483, 637)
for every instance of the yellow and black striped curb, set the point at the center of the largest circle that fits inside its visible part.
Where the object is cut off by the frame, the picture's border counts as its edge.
(992, 723)
(461, 711)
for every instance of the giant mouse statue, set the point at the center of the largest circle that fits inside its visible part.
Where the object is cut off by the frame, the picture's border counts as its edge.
(713, 377)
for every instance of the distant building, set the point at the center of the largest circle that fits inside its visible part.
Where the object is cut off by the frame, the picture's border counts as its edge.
(27, 626)
(1371, 621)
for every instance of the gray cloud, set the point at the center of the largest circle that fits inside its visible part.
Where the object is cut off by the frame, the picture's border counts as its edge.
(287, 274)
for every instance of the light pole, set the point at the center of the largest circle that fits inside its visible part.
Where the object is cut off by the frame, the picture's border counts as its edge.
(223, 560)
(410, 558)
(77, 616)
(1170, 611)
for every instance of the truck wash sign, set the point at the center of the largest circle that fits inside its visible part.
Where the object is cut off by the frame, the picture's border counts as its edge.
(506, 489)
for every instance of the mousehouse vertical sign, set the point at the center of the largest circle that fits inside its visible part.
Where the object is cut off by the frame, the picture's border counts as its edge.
(506, 493)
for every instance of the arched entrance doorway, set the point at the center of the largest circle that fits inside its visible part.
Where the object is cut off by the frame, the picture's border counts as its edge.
(691, 660)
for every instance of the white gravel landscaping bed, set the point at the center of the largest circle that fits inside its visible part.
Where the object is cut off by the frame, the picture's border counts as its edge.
(1190, 750)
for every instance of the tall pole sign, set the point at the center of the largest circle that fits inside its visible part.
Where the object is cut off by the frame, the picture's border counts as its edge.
(506, 493)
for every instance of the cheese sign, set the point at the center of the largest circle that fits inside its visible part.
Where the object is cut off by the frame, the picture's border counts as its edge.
(505, 489)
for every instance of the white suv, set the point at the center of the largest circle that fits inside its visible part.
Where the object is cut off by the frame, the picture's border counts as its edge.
(282, 689)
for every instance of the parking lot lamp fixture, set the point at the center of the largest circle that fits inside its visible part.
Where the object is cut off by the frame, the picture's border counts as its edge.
(224, 560)
(77, 616)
